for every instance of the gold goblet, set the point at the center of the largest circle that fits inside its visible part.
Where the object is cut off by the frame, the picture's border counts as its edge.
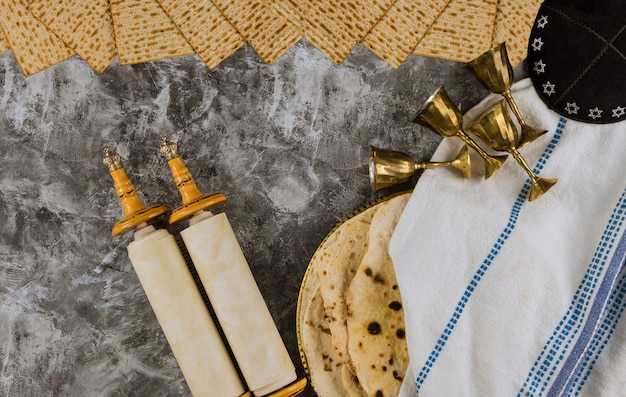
(496, 128)
(442, 116)
(389, 168)
(493, 69)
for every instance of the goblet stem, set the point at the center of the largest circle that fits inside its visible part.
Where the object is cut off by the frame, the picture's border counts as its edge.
(433, 165)
(518, 157)
(539, 185)
(492, 164)
(430, 166)
(528, 133)
(461, 163)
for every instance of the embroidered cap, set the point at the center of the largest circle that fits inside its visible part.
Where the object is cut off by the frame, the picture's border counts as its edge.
(577, 58)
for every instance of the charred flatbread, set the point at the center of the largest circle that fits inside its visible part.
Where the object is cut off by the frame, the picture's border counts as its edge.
(376, 335)
(324, 295)
(336, 265)
(327, 373)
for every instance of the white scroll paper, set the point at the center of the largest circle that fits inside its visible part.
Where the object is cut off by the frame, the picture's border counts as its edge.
(238, 304)
(182, 314)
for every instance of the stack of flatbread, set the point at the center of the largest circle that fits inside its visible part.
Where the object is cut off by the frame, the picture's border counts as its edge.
(42, 33)
(351, 319)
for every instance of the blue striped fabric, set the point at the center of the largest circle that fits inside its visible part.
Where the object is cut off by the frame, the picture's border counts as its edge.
(573, 323)
(608, 296)
(567, 359)
(491, 255)
(615, 309)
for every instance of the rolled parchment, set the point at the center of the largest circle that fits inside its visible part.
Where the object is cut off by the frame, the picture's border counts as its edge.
(238, 304)
(182, 314)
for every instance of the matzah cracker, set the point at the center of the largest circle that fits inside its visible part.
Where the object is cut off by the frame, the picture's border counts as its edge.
(144, 32)
(397, 33)
(84, 25)
(210, 34)
(34, 46)
(4, 44)
(334, 27)
(265, 31)
(463, 31)
(514, 21)
(291, 11)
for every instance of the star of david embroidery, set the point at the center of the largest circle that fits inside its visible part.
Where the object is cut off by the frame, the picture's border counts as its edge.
(537, 44)
(571, 108)
(548, 89)
(619, 111)
(542, 22)
(540, 67)
(595, 113)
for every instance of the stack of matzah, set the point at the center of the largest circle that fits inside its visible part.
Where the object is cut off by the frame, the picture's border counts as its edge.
(42, 33)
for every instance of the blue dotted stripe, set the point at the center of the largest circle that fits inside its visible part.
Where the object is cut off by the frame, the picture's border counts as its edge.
(554, 351)
(602, 337)
(494, 251)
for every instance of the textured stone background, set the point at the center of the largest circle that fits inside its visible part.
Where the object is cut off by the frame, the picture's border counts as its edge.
(287, 143)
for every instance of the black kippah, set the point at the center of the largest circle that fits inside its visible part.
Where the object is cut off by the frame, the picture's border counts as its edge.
(577, 58)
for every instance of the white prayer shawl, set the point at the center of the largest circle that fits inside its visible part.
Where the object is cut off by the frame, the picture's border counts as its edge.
(506, 297)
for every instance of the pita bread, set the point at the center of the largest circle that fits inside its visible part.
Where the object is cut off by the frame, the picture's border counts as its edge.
(338, 256)
(326, 371)
(85, 26)
(351, 384)
(376, 336)
(336, 264)
(329, 376)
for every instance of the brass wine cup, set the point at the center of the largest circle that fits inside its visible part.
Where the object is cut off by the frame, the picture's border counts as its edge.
(441, 115)
(389, 168)
(493, 69)
(496, 128)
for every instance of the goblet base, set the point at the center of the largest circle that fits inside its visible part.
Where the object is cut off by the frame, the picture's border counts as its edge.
(492, 164)
(540, 186)
(529, 134)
